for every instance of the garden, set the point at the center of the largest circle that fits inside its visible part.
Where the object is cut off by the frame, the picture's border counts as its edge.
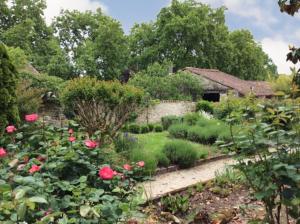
(74, 151)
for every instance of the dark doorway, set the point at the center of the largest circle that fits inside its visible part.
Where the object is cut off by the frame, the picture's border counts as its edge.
(212, 97)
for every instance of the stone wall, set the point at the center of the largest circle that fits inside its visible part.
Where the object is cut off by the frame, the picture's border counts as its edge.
(166, 108)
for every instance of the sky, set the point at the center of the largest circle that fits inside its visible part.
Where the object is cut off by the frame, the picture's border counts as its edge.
(274, 30)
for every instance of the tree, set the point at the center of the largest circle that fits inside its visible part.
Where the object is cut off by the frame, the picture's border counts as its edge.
(95, 43)
(189, 33)
(9, 113)
(23, 26)
(249, 61)
(18, 57)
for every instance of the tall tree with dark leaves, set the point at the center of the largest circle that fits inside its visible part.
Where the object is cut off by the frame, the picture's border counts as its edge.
(95, 43)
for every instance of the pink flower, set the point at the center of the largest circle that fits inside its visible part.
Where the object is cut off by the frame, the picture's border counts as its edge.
(10, 129)
(72, 139)
(91, 144)
(71, 131)
(34, 169)
(3, 153)
(106, 173)
(21, 167)
(31, 117)
(127, 167)
(141, 163)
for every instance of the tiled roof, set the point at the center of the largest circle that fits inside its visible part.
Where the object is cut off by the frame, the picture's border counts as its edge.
(259, 88)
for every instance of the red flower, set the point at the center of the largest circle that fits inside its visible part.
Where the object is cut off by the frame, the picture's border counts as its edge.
(127, 167)
(72, 139)
(91, 144)
(10, 129)
(31, 117)
(106, 173)
(71, 131)
(141, 163)
(3, 153)
(34, 169)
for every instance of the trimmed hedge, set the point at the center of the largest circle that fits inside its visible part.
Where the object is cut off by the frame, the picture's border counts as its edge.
(179, 131)
(158, 128)
(207, 135)
(134, 128)
(144, 129)
(181, 152)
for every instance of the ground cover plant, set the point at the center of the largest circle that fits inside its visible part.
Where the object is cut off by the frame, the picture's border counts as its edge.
(60, 175)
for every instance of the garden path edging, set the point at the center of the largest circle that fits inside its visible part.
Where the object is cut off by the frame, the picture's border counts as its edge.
(175, 181)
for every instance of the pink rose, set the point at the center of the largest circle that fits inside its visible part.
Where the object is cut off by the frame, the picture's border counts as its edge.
(91, 144)
(10, 129)
(106, 173)
(34, 169)
(21, 167)
(127, 167)
(72, 139)
(31, 117)
(141, 163)
(3, 153)
(70, 131)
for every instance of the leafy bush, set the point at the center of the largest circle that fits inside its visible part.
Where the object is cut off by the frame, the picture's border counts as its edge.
(158, 128)
(29, 98)
(207, 135)
(55, 175)
(181, 153)
(9, 113)
(151, 162)
(101, 105)
(134, 128)
(191, 118)
(162, 160)
(144, 129)
(125, 142)
(151, 127)
(178, 131)
(167, 121)
(180, 86)
(175, 203)
(204, 105)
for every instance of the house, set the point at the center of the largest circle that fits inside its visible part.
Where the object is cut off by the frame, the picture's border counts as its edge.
(217, 83)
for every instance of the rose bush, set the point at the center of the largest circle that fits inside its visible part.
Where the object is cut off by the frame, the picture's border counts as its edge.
(56, 175)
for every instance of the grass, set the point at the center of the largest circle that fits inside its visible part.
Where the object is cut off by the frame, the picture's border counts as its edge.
(150, 147)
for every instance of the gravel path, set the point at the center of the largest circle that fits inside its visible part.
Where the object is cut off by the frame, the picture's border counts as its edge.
(170, 182)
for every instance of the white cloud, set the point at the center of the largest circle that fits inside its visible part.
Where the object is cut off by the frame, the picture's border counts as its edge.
(248, 9)
(55, 6)
(277, 49)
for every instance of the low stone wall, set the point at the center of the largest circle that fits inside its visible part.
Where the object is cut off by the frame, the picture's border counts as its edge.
(166, 108)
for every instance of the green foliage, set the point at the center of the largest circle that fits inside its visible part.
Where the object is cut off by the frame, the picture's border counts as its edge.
(175, 203)
(9, 113)
(18, 57)
(202, 135)
(283, 85)
(204, 105)
(101, 105)
(134, 128)
(66, 188)
(144, 129)
(193, 34)
(181, 153)
(29, 98)
(179, 86)
(150, 159)
(191, 118)
(268, 156)
(125, 142)
(167, 121)
(179, 131)
(158, 128)
(151, 127)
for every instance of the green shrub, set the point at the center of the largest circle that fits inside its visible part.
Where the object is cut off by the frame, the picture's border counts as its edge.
(163, 160)
(144, 129)
(125, 142)
(101, 105)
(206, 106)
(134, 128)
(151, 127)
(9, 113)
(178, 131)
(158, 128)
(207, 135)
(150, 159)
(181, 153)
(167, 121)
(191, 118)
